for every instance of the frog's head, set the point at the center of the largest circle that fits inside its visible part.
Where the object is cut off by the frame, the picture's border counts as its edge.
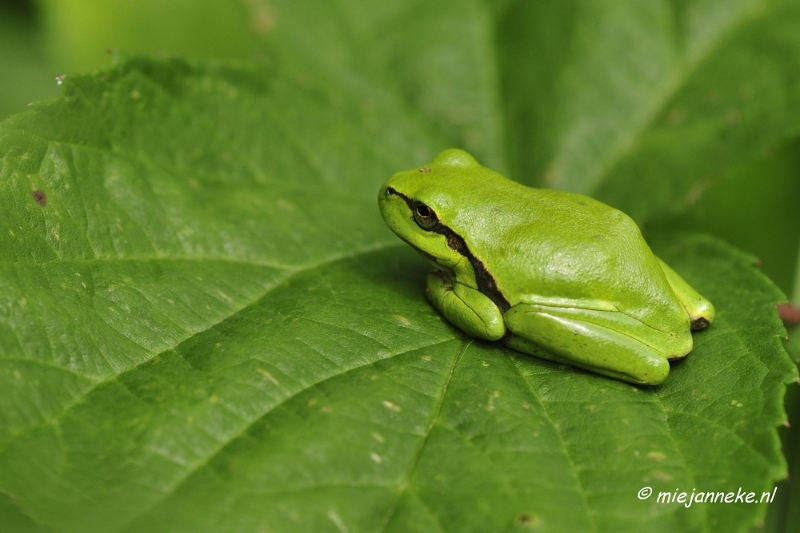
(420, 204)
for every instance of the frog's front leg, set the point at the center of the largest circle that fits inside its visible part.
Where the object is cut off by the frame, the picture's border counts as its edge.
(466, 308)
(701, 312)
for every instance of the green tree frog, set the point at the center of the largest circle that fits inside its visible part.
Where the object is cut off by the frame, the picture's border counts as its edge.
(549, 273)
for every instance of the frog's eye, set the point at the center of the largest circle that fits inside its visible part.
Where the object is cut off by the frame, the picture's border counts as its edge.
(424, 216)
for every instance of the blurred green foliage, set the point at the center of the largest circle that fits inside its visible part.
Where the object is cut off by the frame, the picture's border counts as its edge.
(754, 207)
(78, 33)
(26, 73)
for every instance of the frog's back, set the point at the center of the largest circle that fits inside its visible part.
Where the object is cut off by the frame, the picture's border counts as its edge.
(558, 246)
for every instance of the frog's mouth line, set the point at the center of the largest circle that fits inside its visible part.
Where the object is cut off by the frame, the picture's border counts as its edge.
(484, 279)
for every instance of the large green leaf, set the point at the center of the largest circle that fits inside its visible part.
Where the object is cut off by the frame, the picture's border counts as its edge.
(641, 104)
(205, 326)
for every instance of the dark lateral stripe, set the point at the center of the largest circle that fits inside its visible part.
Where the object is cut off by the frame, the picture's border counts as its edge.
(486, 282)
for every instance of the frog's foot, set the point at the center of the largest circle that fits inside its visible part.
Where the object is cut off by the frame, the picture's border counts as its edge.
(701, 312)
(607, 342)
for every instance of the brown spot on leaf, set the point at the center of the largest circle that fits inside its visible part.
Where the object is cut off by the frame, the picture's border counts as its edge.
(40, 197)
(528, 520)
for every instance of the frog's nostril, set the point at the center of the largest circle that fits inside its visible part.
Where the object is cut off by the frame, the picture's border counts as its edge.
(390, 191)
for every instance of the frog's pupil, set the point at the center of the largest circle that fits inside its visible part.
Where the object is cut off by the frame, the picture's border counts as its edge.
(424, 216)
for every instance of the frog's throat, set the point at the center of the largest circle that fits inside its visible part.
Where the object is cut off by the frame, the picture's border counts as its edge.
(484, 279)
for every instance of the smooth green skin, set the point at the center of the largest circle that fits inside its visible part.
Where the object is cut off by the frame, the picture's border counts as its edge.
(549, 273)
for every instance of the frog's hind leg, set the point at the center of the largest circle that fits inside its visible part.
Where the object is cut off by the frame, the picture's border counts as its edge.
(592, 340)
(701, 312)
